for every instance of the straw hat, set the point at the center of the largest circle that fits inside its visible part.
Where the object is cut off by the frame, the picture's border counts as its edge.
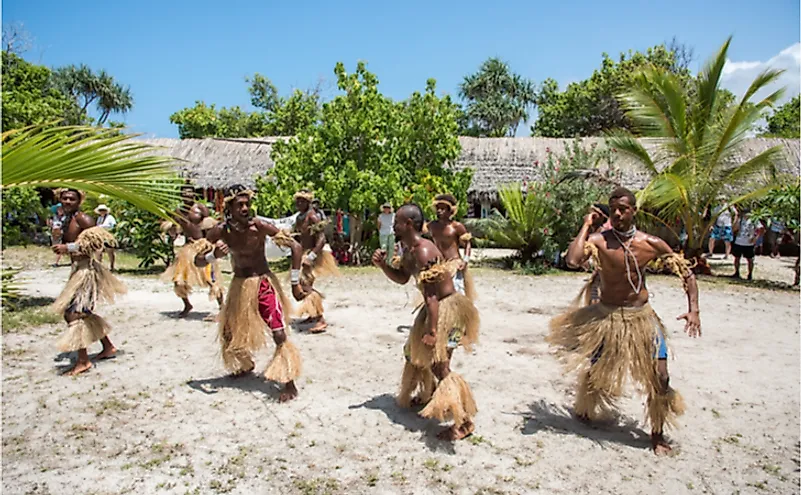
(101, 208)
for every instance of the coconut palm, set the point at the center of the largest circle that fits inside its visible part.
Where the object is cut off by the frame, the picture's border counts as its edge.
(497, 99)
(701, 137)
(102, 161)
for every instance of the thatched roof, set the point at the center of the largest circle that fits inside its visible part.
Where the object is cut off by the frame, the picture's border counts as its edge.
(503, 160)
(222, 162)
(219, 162)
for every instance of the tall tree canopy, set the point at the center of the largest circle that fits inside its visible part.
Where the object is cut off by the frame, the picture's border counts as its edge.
(785, 122)
(368, 149)
(31, 96)
(87, 87)
(496, 100)
(276, 115)
(590, 107)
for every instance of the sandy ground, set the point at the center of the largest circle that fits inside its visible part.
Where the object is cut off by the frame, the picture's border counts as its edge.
(163, 418)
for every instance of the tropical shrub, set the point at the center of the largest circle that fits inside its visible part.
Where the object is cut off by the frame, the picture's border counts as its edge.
(23, 215)
(138, 231)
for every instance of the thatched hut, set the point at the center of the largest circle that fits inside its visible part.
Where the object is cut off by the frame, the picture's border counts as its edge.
(216, 163)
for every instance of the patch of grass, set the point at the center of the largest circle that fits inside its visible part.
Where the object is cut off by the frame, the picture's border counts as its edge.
(715, 414)
(29, 312)
(317, 486)
(371, 478)
(733, 439)
(398, 478)
(112, 405)
(476, 439)
(690, 485)
(431, 464)
(523, 462)
(771, 469)
(762, 485)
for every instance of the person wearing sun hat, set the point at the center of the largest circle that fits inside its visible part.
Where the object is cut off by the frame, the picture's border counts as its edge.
(107, 221)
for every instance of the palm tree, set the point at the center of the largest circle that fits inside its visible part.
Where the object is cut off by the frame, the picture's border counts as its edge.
(498, 100)
(102, 161)
(701, 136)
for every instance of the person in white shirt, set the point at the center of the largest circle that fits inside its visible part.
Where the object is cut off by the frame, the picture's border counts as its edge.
(386, 230)
(747, 233)
(722, 230)
(106, 220)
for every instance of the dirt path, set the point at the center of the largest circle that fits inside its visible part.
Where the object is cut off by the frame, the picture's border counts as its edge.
(161, 418)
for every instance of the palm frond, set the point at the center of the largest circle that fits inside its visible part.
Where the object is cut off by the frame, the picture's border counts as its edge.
(627, 144)
(708, 84)
(97, 160)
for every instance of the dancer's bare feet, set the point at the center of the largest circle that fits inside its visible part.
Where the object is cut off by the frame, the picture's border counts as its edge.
(242, 373)
(107, 353)
(79, 368)
(319, 327)
(418, 402)
(457, 432)
(660, 445)
(289, 393)
(187, 308)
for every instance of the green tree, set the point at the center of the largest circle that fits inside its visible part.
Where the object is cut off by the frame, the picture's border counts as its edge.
(368, 149)
(277, 116)
(31, 97)
(590, 107)
(785, 122)
(86, 87)
(496, 100)
(701, 140)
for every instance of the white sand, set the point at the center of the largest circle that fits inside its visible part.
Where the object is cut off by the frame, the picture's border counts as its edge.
(162, 418)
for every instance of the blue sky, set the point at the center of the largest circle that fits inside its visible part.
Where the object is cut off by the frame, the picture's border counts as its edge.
(174, 52)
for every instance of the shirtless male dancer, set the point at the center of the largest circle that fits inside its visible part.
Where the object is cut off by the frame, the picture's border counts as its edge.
(447, 320)
(449, 235)
(622, 334)
(309, 227)
(90, 282)
(255, 297)
(193, 218)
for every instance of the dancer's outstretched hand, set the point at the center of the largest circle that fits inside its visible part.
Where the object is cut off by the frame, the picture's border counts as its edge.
(379, 256)
(693, 323)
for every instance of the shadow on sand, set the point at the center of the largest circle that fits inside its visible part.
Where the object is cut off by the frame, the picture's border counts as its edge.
(560, 420)
(192, 316)
(250, 382)
(410, 420)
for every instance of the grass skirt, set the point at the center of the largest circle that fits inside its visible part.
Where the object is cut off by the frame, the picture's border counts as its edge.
(90, 282)
(312, 305)
(452, 398)
(185, 275)
(82, 333)
(242, 331)
(456, 312)
(629, 340)
(324, 265)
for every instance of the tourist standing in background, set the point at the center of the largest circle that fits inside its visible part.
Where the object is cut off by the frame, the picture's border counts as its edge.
(55, 224)
(746, 236)
(722, 231)
(106, 220)
(386, 231)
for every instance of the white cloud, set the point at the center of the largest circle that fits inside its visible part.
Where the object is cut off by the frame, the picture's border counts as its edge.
(738, 75)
